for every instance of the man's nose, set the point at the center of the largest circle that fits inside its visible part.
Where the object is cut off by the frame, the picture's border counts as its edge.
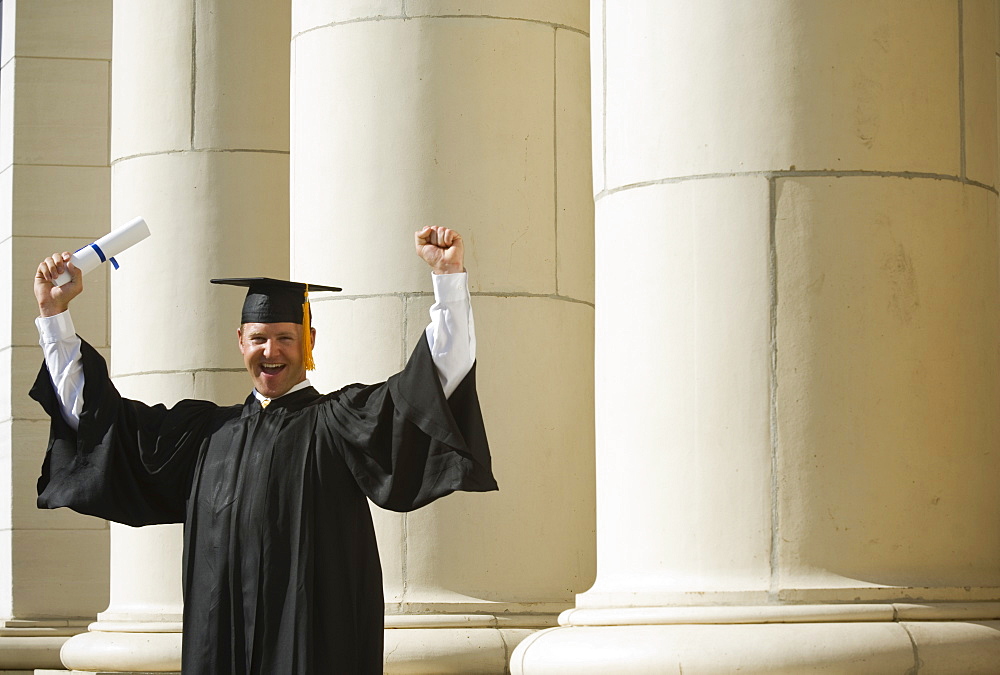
(269, 347)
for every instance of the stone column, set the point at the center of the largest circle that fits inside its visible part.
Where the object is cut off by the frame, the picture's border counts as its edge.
(54, 195)
(797, 392)
(417, 113)
(200, 149)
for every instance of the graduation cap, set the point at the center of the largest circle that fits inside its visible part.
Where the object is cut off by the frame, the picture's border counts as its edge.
(278, 301)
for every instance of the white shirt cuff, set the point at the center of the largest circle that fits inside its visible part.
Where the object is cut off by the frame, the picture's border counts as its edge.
(451, 287)
(55, 328)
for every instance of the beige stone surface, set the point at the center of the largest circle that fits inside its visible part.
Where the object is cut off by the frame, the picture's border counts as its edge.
(531, 353)
(568, 13)
(155, 594)
(89, 310)
(64, 29)
(357, 340)
(51, 583)
(241, 97)
(886, 400)
(956, 648)
(129, 653)
(682, 412)
(60, 201)
(471, 651)
(61, 112)
(28, 653)
(474, 152)
(311, 14)
(979, 39)
(224, 388)
(198, 207)
(574, 188)
(152, 91)
(764, 649)
(770, 85)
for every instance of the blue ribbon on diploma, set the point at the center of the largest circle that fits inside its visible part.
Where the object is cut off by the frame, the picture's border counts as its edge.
(100, 254)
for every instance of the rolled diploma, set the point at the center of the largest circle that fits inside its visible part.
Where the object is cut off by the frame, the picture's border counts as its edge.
(111, 244)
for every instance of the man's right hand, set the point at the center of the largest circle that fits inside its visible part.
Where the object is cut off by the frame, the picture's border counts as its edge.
(52, 299)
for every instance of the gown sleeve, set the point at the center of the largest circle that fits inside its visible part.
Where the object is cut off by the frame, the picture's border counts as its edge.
(127, 462)
(406, 443)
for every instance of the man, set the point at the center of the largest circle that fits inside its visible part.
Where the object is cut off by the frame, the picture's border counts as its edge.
(281, 571)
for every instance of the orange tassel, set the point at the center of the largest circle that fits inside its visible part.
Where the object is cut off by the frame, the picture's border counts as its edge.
(307, 350)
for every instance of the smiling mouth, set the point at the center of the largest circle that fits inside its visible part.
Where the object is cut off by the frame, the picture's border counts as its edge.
(271, 368)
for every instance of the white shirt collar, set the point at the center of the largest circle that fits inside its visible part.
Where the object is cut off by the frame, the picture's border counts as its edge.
(301, 385)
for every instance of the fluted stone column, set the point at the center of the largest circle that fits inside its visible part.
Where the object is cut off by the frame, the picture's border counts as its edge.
(200, 149)
(797, 341)
(415, 113)
(54, 195)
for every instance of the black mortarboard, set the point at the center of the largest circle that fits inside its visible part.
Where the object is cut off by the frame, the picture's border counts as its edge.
(273, 300)
(277, 301)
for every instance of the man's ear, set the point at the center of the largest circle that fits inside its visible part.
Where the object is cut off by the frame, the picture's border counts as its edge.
(312, 336)
(239, 338)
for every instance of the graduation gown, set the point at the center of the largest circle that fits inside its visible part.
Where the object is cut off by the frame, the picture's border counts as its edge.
(281, 569)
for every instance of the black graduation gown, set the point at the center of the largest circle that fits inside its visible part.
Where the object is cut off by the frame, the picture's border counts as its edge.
(281, 569)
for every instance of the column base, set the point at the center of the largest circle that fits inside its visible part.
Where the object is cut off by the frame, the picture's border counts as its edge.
(470, 644)
(118, 647)
(853, 646)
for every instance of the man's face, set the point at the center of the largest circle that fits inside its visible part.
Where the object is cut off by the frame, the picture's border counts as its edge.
(272, 354)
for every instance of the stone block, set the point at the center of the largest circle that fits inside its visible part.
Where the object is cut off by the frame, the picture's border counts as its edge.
(89, 309)
(152, 94)
(534, 371)
(574, 187)
(63, 29)
(573, 14)
(210, 214)
(979, 41)
(473, 150)
(59, 201)
(241, 95)
(886, 341)
(778, 84)
(310, 14)
(61, 113)
(59, 573)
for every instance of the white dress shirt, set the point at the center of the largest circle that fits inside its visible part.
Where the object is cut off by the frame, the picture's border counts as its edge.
(451, 337)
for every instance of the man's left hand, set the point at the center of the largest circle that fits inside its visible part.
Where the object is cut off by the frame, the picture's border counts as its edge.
(442, 249)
